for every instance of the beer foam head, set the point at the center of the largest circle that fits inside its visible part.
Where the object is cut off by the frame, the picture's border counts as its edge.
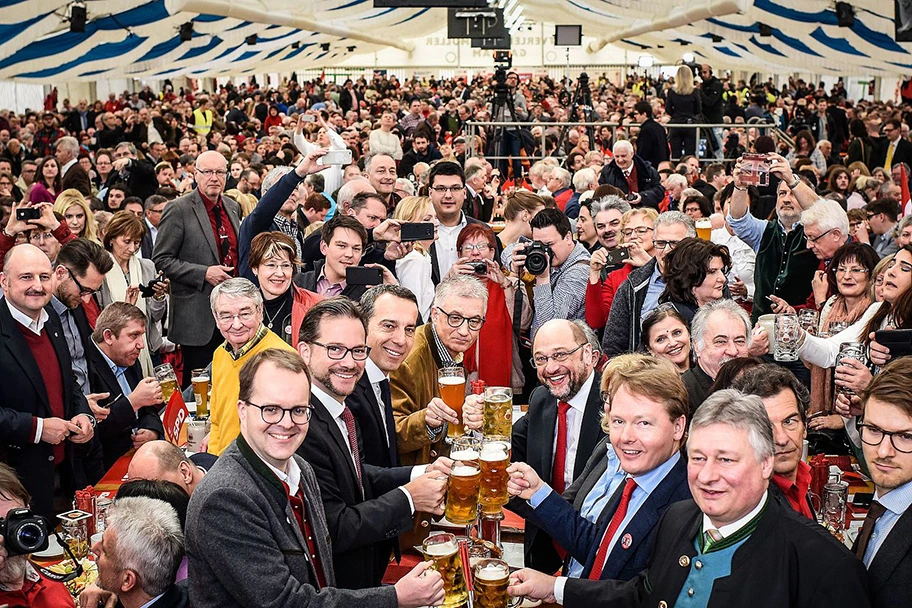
(491, 572)
(441, 549)
(199, 379)
(493, 452)
(464, 471)
(464, 455)
(451, 380)
(498, 398)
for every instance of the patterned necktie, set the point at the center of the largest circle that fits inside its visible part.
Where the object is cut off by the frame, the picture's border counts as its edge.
(619, 514)
(558, 483)
(349, 421)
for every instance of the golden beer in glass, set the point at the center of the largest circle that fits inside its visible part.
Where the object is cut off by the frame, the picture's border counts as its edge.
(443, 550)
(495, 458)
(704, 229)
(166, 377)
(491, 579)
(462, 494)
(452, 391)
(498, 412)
(200, 380)
(466, 449)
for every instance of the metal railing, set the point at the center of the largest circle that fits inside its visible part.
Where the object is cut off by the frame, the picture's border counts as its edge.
(473, 128)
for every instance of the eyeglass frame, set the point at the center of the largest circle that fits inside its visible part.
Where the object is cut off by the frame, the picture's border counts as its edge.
(476, 247)
(230, 318)
(212, 172)
(661, 245)
(83, 291)
(814, 239)
(558, 357)
(862, 426)
(467, 320)
(640, 230)
(285, 410)
(346, 351)
(445, 189)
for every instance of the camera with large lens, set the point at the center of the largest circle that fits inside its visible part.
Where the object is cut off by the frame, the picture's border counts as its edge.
(23, 532)
(538, 257)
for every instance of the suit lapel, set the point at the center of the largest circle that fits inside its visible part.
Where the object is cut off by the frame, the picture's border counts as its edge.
(373, 408)
(23, 355)
(324, 418)
(58, 340)
(546, 440)
(894, 549)
(435, 267)
(199, 209)
(591, 430)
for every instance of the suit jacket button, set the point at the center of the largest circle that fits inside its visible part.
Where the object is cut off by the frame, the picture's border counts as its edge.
(698, 564)
(50, 459)
(684, 561)
(433, 453)
(663, 604)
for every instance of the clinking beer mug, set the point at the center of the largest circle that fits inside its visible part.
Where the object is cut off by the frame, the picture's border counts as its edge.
(491, 577)
(166, 377)
(443, 550)
(462, 494)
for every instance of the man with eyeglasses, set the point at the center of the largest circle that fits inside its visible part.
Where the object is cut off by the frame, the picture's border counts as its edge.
(892, 148)
(237, 307)
(639, 294)
(457, 316)
(560, 430)
(153, 208)
(197, 248)
(882, 217)
(885, 540)
(256, 532)
(366, 506)
(783, 268)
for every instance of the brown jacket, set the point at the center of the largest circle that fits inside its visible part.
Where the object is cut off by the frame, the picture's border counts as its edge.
(412, 387)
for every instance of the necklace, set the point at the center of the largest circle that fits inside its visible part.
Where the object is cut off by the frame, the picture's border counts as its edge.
(271, 319)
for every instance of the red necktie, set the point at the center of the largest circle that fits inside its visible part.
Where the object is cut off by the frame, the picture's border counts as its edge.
(616, 520)
(560, 450)
(349, 421)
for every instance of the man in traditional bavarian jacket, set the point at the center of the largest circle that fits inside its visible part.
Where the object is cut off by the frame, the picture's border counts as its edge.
(785, 266)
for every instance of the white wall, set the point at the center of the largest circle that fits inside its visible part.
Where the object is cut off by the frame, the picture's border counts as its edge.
(19, 97)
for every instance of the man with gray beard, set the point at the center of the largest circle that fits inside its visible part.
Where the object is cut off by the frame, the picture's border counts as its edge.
(20, 583)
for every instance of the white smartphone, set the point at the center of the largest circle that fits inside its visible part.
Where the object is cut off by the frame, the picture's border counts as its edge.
(336, 157)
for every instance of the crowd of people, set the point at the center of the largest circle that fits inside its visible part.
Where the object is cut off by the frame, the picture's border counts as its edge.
(323, 251)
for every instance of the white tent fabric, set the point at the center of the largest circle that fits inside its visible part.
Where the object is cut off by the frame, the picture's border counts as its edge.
(140, 38)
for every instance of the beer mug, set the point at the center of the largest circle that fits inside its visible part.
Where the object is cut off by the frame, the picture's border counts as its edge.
(807, 319)
(787, 336)
(850, 350)
(495, 458)
(201, 390)
(197, 429)
(466, 449)
(704, 228)
(490, 582)
(443, 550)
(498, 412)
(834, 504)
(462, 494)
(834, 328)
(452, 391)
(166, 377)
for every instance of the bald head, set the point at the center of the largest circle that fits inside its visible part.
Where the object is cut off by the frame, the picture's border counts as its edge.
(161, 460)
(565, 340)
(27, 279)
(351, 188)
(211, 173)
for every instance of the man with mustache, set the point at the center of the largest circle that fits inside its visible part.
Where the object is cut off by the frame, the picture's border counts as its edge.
(721, 331)
(783, 267)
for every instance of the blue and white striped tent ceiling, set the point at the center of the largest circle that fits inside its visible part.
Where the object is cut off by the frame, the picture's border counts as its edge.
(140, 38)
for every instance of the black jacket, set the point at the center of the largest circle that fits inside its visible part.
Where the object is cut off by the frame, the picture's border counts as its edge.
(788, 562)
(363, 526)
(649, 184)
(902, 154)
(373, 432)
(533, 438)
(891, 569)
(711, 95)
(652, 143)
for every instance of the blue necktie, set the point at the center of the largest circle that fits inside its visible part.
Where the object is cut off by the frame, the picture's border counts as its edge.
(122, 380)
(390, 425)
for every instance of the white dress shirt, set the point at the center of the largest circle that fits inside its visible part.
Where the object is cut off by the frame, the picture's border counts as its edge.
(375, 376)
(574, 424)
(446, 244)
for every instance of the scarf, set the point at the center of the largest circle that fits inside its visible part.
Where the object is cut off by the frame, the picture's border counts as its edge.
(496, 341)
(822, 378)
(117, 286)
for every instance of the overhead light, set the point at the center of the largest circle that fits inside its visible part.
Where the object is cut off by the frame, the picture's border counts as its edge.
(325, 47)
(352, 48)
(716, 39)
(765, 30)
(78, 18)
(845, 14)
(645, 61)
(251, 39)
(186, 31)
(295, 45)
(688, 57)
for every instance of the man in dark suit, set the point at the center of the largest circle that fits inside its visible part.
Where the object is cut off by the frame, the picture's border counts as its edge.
(80, 119)
(392, 318)
(652, 140)
(366, 507)
(565, 412)
(633, 175)
(256, 532)
(138, 175)
(608, 518)
(885, 540)
(197, 248)
(892, 147)
(349, 97)
(44, 416)
(139, 554)
(128, 416)
(731, 545)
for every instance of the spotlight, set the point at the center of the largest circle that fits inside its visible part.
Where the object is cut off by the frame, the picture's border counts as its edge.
(78, 18)
(845, 14)
(295, 45)
(765, 30)
(325, 47)
(351, 49)
(688, 58)
(251, 39)
(186, 31)
(716, 39)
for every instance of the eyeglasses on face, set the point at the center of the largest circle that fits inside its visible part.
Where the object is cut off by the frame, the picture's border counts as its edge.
(210, 172)
(814, 239)
(872, 435)
(244, 317)
(273, 414)
(456, 320)
(660, 245)
(83, 291)
(337, 352)
(641, 231)
(445, 189)
(558, 357)
(479, 247)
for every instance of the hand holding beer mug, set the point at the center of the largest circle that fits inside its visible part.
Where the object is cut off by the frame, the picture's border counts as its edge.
(166, 377)
(422, 586)
(490, 582)
(532, 585)
(498, 412)
(452, 391)
(473, 412)
(524, 481)
(443, 550)
(427, 492)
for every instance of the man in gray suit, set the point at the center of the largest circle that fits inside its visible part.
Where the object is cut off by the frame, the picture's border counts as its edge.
(197, 248)
(256, 533)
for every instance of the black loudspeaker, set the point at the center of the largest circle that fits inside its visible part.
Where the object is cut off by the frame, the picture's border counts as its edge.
(78, 19)
(845, 14)
(186, 31)
(251, 39)
(568, 35)
(324, 47)
(716, 39)
(765, 30)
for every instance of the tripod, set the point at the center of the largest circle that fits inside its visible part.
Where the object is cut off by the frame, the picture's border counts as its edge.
(505, 141)
(581, 108)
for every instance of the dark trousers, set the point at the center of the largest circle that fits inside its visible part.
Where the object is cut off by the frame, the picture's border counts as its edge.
(199, 357)
(510, 146)
(683, 141)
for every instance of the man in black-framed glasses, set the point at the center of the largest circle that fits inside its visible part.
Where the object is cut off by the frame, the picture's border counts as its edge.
(885, 540)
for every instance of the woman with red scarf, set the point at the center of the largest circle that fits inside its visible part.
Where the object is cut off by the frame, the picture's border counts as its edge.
(495, 356)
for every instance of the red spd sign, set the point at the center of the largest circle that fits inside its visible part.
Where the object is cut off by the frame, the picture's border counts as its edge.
(175, 415)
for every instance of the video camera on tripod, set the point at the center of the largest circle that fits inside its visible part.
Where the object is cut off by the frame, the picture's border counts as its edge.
(503, 61)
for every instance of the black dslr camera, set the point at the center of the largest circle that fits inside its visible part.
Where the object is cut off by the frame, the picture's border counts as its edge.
(23, 532)
(538, 257)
